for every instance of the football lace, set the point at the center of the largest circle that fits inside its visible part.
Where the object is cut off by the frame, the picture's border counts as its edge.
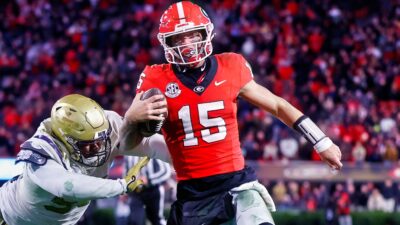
(159, 125)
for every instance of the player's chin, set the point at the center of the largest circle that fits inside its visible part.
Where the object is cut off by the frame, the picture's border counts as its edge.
(192, 62)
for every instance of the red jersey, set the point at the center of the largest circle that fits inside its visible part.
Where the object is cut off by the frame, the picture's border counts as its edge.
(201, 130)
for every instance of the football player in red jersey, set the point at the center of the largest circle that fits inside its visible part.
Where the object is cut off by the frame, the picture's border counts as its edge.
(201, 131)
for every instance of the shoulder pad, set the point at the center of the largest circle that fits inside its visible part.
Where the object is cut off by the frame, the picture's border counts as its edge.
(26, 155)
(156, 68)
(34, 146)
(32, 151)
(112, 115)
(38, 149)
(230, 56)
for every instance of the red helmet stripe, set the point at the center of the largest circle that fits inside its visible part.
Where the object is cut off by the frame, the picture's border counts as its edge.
(181, 13)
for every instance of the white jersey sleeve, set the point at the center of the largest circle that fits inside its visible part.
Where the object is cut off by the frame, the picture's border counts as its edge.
(153, 147)
(73, 186)
(116, 123)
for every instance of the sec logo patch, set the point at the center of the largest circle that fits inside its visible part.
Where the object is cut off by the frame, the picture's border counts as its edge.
(172, 90)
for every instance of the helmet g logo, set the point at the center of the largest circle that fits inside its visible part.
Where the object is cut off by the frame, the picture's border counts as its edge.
(198, 89)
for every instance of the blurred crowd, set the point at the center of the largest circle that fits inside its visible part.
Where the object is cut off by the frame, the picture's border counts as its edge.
(338, 61)
(338, 200)
(343, 197)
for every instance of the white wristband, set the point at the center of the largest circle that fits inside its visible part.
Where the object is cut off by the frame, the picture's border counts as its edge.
(323, 144)
(312, 133)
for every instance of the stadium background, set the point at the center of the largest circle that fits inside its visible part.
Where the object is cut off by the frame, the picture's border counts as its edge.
(338, 61)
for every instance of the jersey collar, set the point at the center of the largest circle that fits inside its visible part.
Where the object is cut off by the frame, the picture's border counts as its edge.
(189, 78)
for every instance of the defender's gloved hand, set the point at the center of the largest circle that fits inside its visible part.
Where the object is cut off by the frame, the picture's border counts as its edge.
(255, 185)
(131, 178)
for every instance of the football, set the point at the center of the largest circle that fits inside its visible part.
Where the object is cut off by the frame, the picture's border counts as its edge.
(151, 127)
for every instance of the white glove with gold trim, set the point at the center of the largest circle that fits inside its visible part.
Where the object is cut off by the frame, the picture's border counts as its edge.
(255, 185)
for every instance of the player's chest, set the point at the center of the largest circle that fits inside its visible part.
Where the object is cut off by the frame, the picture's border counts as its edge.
(212, 97)
(214, 86)
(188, 107)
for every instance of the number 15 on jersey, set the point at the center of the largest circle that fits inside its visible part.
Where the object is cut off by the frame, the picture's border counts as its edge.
(203, 110)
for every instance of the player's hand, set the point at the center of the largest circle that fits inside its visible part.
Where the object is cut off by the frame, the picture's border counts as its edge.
(131, 178)
(332, 157)
(148, 109)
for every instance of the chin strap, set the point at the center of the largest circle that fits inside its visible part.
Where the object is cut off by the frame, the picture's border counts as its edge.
(192, 70)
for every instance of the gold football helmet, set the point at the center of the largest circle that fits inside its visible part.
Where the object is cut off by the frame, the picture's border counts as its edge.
(80, 123)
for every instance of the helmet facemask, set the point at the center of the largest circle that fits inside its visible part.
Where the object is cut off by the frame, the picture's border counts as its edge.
(83, 150)
(186, 54)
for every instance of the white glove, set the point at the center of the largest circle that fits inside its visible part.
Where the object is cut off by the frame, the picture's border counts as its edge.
(255, 185)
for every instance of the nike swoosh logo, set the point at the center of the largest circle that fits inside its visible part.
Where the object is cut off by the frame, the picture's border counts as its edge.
(219, 83)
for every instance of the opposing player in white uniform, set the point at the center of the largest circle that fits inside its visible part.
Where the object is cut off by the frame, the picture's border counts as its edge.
(67, 159)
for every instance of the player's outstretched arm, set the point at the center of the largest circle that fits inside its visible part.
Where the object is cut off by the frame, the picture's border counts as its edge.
(153, 147)
(55, 179)
(139, 110)
(287, 113)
